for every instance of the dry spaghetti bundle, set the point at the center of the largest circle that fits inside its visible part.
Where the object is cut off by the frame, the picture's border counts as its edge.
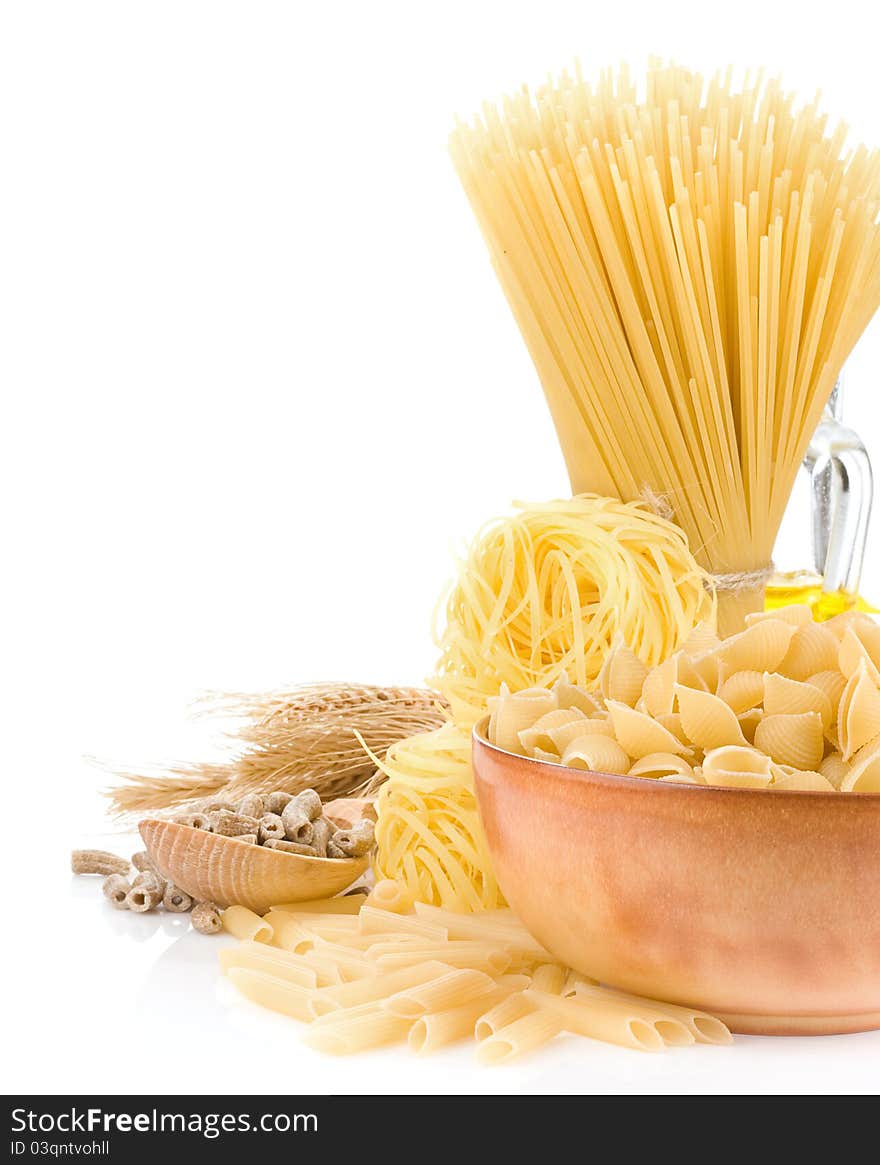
(548, 591)
(690, 269)
(303, 737)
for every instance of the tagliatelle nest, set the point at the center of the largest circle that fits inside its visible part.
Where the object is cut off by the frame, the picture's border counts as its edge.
(549, 590)
(304, 737)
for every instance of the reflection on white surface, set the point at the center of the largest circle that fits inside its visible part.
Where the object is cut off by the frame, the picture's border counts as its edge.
(115, 1002)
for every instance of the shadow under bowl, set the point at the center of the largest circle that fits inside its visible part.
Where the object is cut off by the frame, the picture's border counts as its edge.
(760, 907)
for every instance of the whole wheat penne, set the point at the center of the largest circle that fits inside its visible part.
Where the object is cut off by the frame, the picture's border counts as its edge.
(705, 1028)
(245, 925)
(602, 1018)
(373, 921)
(456, 987)
(259, 957)
(523, 1035)
(380, 987)
(347, 904)
(275, 994)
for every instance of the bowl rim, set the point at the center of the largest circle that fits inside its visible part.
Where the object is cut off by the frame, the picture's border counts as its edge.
(479, 736)
(336, 862)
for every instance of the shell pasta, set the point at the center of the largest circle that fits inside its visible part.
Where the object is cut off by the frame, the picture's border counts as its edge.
(748, 711)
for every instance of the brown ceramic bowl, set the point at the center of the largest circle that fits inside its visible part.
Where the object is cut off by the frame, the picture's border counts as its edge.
(762, 908)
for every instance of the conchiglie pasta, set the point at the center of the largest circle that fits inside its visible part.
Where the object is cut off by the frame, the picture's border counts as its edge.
(854, 650)
(706, 720)
(539, 735)
(563, 735)
(761, 647)
(658, 690)
(661, 764)
(787, 704)
(782, 695)
(512, 714)
(689, 672)
(622, 675)
(858, 716)
(813, 648)
(795, 614)
(863, 776)
(570, 696)
(748, 723)
(831, 684)
(639, 734)
(597, 753)
(702, 639)
(834, 768)
(795, 740)
(743, 690)
(785, 777)
(736, 766)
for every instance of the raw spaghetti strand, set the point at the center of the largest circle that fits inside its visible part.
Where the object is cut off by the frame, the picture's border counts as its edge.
(690, 269)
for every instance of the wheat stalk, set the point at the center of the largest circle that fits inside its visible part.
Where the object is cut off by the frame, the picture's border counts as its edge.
(303, 737)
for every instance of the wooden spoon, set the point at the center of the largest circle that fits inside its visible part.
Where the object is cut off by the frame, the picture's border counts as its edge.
(213, 868)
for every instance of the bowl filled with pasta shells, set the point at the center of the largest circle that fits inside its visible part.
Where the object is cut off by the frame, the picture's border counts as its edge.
(706, 831)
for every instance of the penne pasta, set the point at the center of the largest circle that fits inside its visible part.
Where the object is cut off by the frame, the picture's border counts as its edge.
(550, 977)
(434, 976)
(705, 1029)
(259, 957)
(373, 921)
(450, 990)
(506, 1012)
(288, 933)
(358, 1033)
(479, 956)
(350, 964)
(523, 1035)
(601, 1017)
(346, 904)
(245, 925)
(345, 995)
(439, 1028)
(335, 923)
(272, 993)
(391, 896)
(506, 930)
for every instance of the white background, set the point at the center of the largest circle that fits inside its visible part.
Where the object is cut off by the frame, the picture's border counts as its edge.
(258, 381)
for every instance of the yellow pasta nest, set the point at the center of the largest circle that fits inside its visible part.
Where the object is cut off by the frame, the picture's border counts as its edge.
(428, 834)
(788, 703)
(549, 590)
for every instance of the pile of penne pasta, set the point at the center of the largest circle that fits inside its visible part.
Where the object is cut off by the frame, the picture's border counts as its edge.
(367, 972)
